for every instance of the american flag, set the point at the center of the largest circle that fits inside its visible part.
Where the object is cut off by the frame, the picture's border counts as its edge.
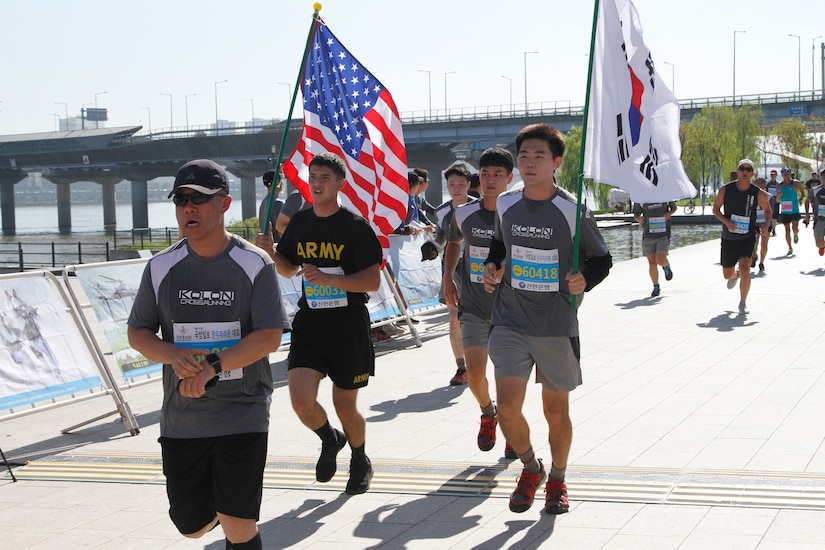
(347, 111)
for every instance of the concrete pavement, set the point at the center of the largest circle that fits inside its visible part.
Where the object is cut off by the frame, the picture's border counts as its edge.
(695, 428)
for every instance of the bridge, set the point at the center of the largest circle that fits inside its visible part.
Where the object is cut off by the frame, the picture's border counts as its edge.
(435, 139)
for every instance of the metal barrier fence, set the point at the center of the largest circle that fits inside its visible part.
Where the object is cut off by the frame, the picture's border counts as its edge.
(21, 256)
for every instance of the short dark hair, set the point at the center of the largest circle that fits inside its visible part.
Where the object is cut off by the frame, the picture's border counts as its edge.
(332, 161)
(497, 157)
(475, 181)
(458, 170)
(422, 173)
(545, 132)
(413, 179)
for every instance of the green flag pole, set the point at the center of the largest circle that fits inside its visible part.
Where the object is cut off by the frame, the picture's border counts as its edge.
(580, 182)
(315, 21)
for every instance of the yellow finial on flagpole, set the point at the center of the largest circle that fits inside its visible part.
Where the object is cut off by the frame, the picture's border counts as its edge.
(316, 6)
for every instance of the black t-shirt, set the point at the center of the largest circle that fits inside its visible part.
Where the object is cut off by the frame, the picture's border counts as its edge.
(342, 243)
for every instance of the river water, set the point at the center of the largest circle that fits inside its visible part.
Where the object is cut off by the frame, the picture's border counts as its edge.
(38, 224)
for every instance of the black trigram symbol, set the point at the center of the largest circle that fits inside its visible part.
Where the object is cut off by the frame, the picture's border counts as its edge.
(623, 151)
(649, 164)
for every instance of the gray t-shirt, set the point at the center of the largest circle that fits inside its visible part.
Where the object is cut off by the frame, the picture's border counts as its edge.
(263, 210)
(475, 226)
(212, 303)
(656, 226)
(533, 297)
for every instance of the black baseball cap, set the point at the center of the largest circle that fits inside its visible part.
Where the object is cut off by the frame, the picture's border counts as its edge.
(201, 175)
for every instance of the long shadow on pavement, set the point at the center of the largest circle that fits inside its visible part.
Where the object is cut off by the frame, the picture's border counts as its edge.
(433, 400)
(726, 322)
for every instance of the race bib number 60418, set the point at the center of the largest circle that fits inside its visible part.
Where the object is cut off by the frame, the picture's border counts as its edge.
(534, 269)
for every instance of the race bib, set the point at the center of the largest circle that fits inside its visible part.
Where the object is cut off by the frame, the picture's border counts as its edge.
(786, 207)
(743, 223)
(534, 269)
(477, 256)
(656, 225)
(325, 296)
(760, 216)
(216, 337)
(820, 211)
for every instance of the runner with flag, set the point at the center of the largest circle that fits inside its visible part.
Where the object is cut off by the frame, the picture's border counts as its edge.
(347, 111)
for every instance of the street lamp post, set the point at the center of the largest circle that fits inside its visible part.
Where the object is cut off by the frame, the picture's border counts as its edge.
(66, 109)
(56, 120)
(799, 60)
(171, 120)
(252, 106)
(734, 64)
(288, 93)
(445, 90)
(97, 122)
(813, 54)
(83, 116)
(216, 103)
(510, 80)
(525, 79)
(672, 76)
(430, 90)
(186, 108)
(149, 117)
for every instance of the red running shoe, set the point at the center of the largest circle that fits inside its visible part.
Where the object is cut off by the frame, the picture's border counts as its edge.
(509, 452)
(522, 498)
(487, 432)
(556, 497)
(459, 378)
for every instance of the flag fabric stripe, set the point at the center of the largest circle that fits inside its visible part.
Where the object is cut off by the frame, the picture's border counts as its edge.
(633, 120)
(347, 111)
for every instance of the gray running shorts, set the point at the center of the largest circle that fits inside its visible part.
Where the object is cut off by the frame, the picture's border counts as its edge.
(556, 358)
(819, 229)
(652, 246)
(475, 331)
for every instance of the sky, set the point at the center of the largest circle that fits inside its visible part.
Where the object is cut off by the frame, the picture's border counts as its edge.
(140, 60)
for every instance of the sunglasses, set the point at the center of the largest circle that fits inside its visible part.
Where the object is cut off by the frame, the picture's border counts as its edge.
(745, 169)
(196, 198)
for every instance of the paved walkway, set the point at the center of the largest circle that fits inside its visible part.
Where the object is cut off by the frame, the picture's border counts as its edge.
(695, 428)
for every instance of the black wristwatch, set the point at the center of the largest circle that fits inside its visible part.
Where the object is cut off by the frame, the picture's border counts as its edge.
(215, 361)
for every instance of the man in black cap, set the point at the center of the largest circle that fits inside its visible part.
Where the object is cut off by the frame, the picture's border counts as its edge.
(216, 301)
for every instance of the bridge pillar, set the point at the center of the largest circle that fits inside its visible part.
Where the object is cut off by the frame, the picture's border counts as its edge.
(248, 199)
(64, 208)
(109, 210)
(140, 203)
(7, 181)
(7, 208)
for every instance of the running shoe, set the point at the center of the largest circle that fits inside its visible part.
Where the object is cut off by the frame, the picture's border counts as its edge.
(556, 497)
(459, 378)
(761, 268)
(393, 329)
(790, 252)
(327, 465)
(743, 309)
(668, 272)
(822, 251)
(360, 475)
(526, 486)
(656, 291)
(509, 452)
(795, 238)
(732, 282)
(487, 432)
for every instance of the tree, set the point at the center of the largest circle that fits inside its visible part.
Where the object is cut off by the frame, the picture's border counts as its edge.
(568, 175)
(717, 138)
(793, 138)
